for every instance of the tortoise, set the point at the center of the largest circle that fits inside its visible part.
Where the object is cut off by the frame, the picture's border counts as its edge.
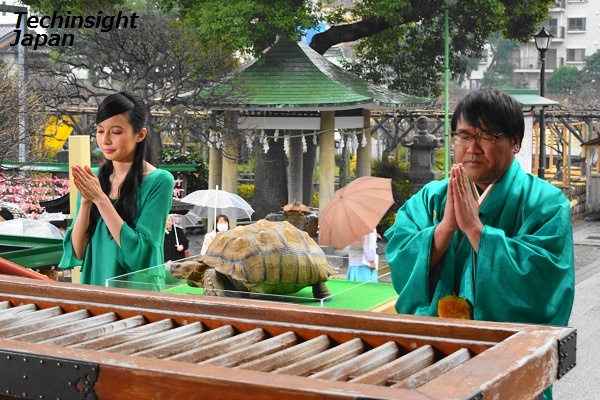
(264, 257)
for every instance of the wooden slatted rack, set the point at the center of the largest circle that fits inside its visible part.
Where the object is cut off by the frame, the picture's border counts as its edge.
(128, 344)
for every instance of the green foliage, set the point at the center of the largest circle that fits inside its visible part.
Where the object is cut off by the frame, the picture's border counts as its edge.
(590, 73)
(438, 160)
(248, 25)
(400, 43)
(401, 187)
(96, 157)
(197, 180)
(411, 71)
(563, 80)
(75, 6)
(247, 168)
(501, 71)
(408, 55)
(246, 191)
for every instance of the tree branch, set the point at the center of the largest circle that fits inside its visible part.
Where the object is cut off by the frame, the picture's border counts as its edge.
(348, 33)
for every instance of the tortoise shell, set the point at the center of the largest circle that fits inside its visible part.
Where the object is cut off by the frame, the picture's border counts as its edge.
(266, 257)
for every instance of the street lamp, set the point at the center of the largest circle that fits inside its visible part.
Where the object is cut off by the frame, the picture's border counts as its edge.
(447, 4)
(542, 43)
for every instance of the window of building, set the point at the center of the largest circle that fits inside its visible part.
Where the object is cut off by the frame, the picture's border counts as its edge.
(553, 27)
(475, 83)
(485, 58)
(576, 24)
(552, 61)
(575, 55)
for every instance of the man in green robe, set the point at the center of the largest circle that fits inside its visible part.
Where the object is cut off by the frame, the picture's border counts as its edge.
(491, 234)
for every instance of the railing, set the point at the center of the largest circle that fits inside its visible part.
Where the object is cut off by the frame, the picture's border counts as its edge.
(557, 32)
(61, 340)
(532, 63)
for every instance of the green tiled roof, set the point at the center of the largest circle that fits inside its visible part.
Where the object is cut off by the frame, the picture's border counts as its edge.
(292, 75)
(530, 98)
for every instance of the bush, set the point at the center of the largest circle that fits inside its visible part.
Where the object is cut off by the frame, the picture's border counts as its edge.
(246, 191)
(196, 180)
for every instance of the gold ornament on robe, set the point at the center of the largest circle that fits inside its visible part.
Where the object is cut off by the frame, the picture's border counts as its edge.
(453, 306)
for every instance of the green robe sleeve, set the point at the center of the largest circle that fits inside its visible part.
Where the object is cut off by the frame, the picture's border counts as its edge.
(68, 259)
(408, 249)
(527, 273)
(142, 246)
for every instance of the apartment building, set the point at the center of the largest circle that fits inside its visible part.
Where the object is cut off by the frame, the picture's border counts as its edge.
(575, 27)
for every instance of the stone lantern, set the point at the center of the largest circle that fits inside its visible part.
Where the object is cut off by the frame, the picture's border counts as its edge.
(421, 145)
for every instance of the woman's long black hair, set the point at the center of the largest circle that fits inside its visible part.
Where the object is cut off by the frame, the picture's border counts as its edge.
(135, 110)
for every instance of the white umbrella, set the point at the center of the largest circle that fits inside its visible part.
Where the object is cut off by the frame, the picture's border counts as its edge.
(30, 228)
(212, 202)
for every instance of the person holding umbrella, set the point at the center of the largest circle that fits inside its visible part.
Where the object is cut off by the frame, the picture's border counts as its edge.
(221, 226)
(176, 243)
(362, 259)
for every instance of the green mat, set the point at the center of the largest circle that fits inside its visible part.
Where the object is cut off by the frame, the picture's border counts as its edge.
(348, 295)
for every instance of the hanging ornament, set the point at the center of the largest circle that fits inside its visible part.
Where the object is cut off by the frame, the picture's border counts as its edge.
(249, 142)
(315, 138)
(354, 142)
(265, 144)
(275, 135)
(363, 142)
(286, 145)
(304, 146)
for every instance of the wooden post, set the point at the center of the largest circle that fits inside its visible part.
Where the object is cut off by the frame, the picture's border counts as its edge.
(79, 154)
(295, 174)
(215, 175)
(326, 158)
(231, 143)
(363, 154)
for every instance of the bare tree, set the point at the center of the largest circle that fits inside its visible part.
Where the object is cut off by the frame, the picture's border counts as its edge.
(21, 121)
(160, 59)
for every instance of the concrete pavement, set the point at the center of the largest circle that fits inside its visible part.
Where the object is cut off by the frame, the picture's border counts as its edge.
(583, 381)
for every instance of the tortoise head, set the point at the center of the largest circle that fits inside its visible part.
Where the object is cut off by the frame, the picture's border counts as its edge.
(189, 269)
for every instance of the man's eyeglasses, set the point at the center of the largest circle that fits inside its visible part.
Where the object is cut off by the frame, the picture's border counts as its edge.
(482, 137)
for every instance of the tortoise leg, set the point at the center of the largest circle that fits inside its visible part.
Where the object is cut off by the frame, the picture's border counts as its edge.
(211, 283)
(320, 290)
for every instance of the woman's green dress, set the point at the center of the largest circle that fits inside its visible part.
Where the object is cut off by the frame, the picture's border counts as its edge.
(141, 244)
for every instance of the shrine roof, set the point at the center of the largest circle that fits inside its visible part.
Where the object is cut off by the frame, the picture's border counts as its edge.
(291, 75)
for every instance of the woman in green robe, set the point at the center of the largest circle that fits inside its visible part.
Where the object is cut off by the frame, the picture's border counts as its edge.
(118, 225)
(492, 241)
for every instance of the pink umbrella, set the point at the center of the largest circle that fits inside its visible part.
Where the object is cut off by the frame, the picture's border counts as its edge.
(354, 211)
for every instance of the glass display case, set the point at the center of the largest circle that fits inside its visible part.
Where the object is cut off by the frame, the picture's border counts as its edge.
(344, 294)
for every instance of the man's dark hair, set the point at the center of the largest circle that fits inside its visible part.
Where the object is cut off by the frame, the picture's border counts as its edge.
(498, 111)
